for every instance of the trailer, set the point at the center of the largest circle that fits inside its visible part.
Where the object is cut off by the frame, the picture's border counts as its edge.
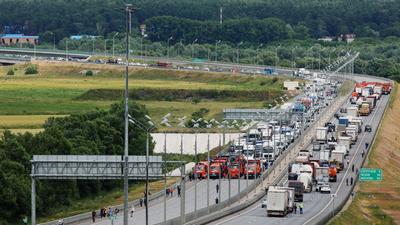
(278, 201)
(321, 134)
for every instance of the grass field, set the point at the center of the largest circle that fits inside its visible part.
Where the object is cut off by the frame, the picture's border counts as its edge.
(55, 91)
(379, 202)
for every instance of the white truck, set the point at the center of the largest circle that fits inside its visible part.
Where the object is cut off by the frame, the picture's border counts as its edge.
(337, 156)
(306, 179)
(322, 174)
(324, 154)
(345, 140)
(352, 131)
(278, 201)
(290, 195)
(352, 111)
(357, 121)
(321, 134)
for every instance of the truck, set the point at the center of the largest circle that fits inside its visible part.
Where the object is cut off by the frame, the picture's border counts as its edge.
(302, 158)
(372, 100)
(291, 192)
(357, 122)
(298, 190)
(332, 173)
(366, 91)
(345, 140)
(378, 89)
(278, 201)
(253, 168)
(353, 133)
(216, 170)
(324, 155)
(364, 109)
(352, 111)
(235, 170)
(201, 170)
(343, 121)
(306, 179)
(322, 174)
(321, 134)
(337, 157)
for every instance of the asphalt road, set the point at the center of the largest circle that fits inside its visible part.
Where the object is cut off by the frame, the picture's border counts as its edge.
(316, 205)
(156, 207)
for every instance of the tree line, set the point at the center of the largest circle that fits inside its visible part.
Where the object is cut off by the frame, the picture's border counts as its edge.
(254, 21)
(94, 133)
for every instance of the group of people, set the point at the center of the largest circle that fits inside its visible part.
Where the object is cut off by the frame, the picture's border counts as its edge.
(298, 205)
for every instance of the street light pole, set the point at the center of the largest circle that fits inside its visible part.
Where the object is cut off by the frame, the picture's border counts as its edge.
(170, 38)
(105, 47)
(128, 10)
(216, 52)
(66, 50)
(113, 48)
(237, 54)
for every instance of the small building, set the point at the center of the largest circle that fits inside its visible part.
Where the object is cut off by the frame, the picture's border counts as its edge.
(291, 85)
(18, 39)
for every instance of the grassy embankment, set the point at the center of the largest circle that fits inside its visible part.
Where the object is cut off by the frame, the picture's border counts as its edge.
(62, 89)
(379, 202)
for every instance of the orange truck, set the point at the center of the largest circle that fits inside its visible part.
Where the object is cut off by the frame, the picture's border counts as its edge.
(236, 170)
(332, 173)
(253, 168)
(201, 169)
(216, 170)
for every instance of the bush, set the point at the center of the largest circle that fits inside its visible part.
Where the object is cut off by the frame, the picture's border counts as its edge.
(89, 73)
(196, 100)
(274, 80)
(10, 71)
(32, 69)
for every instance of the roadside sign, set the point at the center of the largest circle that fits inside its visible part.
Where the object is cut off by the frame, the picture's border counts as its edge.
(370, 174)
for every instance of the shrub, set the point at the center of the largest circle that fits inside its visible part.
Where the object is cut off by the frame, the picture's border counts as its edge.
(196, 100)
(274, 80)
(10, 71)
(89, 73)
(32, 69)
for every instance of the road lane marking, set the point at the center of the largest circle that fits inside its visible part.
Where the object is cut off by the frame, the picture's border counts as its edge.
(240, 214)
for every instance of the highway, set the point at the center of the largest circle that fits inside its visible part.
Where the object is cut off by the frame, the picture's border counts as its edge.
(156, 207)
(316, 205)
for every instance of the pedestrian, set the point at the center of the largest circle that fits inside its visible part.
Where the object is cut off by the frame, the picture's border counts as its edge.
(25, 220)
(366, 145)
(352, 168)
(217, 187)
(362, 154)
(93, 216)
(141, 202)
(179, 190)
(171, 191)
(347, 181)
(145, 201)
(216, 200)
(295, 208)
(351, 181)
(110, 212)
(352, 194)
(301, 207)
(348, 162)
(116, 211)
(356, 170)
(132, 210)
(167, 191)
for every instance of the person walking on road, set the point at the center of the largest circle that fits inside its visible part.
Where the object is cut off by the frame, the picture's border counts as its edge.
(141, 202)
(179, 190)
(295, 208)
(356, 170)
(347, 181)
(217, 187)
(93, 216)
(167, 192)
(348, 162)
(216, 200)
(352, 168)
(132, 210)
(301, 206)
(351, 181)
(362, 154)
(366, 145)
(171, 191)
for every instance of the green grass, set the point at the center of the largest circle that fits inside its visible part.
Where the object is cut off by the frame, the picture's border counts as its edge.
(55, 90)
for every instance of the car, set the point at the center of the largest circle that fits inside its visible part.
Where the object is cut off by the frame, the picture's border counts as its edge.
(368, 128)
(264, 203)
(316, 146)
(325, 189)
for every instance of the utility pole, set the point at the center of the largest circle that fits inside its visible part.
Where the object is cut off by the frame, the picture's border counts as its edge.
(128, 11)
(220, 15)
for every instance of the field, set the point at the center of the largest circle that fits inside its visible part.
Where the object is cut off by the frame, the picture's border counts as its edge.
(379, 202)
(62, 89)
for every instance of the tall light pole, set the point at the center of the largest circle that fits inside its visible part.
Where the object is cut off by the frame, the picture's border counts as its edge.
(113, 40)
(128, 11)
(256, 55)
(105, 47)
(93, 40)
(169, 39)
(195, 40)
(216, 52)
(54, 41)
(293, 56)
(147, 129)
(66, 50)
(277, 56)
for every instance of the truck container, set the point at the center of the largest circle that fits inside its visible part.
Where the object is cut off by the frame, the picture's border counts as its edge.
(324, 154)
(366, 91)
(364, 109)
(343, 121)
(359, 101)
(357, 122)
(342, 148)
(298, 190)
(373, 100)
(290, 191)
(353, 133)
(346, 141)
(302, 158)
(306, 179)
(321, 134)
(332, 173)
(337, 157)
(322, 174)
(352, 111)
(378, 89)
(278, 201)
(341, 128)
